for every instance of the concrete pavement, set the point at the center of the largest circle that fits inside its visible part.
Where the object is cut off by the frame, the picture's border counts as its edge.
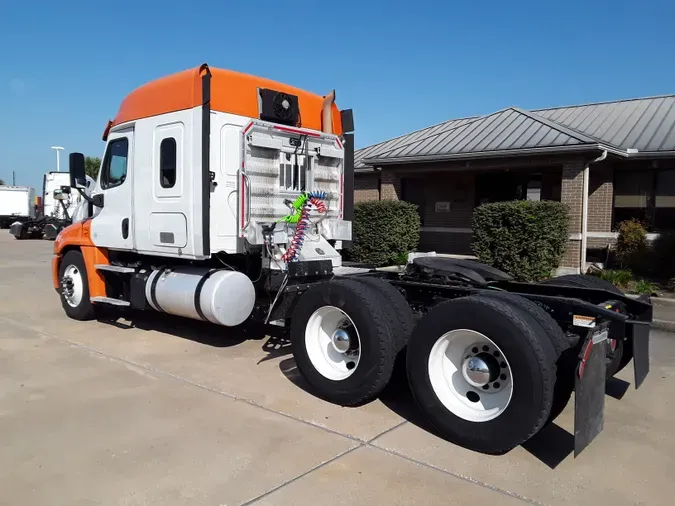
(158, 410)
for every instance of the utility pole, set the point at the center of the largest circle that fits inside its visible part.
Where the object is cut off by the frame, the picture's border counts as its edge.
(13, 178)
(58, 150)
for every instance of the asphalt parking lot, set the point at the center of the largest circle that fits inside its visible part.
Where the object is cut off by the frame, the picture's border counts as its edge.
(158, 410)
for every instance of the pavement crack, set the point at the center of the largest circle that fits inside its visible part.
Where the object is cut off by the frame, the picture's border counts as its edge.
(457, 475)
(302, 475)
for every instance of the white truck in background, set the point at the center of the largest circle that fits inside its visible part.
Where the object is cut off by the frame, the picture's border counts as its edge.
(59, 206)
(51, 207)
(17, 203)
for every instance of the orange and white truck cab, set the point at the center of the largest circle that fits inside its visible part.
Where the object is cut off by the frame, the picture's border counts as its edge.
(195, 164)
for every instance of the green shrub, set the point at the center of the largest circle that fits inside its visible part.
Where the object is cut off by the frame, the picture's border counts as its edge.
(384, 231)
(526, 239)
(643, 286)
(631, 243)
(619, 277)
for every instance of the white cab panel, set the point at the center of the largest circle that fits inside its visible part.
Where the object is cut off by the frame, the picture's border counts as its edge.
(168, 230)
(167, 185)
(225, 163)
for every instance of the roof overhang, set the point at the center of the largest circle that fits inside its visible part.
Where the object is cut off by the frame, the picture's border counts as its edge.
(496, 155)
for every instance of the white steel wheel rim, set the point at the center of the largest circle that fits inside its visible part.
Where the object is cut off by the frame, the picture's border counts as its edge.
(73, 294)
(323, 347)
(447, 373)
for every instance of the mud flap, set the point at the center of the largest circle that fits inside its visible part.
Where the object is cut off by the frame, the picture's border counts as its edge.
(589, 390)
(640, 351)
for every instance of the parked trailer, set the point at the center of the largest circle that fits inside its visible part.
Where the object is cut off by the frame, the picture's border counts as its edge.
(230, 204)
(17, 203)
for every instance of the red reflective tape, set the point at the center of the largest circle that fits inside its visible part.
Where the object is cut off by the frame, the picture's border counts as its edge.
(248, 127)
(243, 200)
(342, 192)
(339, 143)
(584, 358)
(296, 131)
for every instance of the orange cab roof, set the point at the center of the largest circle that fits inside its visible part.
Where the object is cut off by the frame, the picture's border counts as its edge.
(231, 92)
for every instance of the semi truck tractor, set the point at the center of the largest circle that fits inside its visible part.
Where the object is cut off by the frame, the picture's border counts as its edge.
(227, 198)
(17, 204)
(59, 204)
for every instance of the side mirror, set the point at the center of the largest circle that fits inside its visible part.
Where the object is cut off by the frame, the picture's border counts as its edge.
(60, 195)
(78, 177)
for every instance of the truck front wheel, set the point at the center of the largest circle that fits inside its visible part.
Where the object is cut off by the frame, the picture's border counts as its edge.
(342, 341)
(483, 372)
(74, 287)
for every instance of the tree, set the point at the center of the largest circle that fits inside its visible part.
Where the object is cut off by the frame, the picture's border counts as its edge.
(91, 166)
(2, 182)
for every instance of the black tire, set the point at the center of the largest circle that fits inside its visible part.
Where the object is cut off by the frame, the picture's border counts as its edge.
(366, 307)
(623, 352)
(564, 383)
(84, 309)
(399, 315)
(529, 352)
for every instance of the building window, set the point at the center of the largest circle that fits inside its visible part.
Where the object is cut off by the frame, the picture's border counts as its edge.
(648, 196)
(114, 171)
(167, 162)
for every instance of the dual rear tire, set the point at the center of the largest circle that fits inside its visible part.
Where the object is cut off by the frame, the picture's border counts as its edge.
(482, 369)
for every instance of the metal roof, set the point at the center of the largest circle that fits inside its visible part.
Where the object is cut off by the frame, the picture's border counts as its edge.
(377, 149)
(626, 128)
(645, 124)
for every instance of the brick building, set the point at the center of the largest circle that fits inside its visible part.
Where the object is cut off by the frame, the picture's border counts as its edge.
(608, 161)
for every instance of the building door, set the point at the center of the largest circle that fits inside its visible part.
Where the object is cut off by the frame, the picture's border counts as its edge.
(413, 191)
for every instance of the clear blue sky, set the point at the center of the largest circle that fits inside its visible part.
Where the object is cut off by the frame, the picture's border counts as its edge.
(65, 66)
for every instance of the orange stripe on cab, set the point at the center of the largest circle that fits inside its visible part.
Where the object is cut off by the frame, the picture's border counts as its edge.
(79, 235)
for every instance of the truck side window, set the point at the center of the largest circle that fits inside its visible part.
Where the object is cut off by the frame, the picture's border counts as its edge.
(115, 164)
(167, 162)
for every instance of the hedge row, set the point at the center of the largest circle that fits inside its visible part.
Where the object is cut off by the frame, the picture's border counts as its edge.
(526, 239)
(383, 232)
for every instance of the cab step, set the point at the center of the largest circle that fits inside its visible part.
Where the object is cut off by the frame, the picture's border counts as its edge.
(110, 300)
(115, 268)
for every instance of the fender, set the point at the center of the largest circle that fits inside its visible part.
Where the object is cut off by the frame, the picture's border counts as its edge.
(78, 236)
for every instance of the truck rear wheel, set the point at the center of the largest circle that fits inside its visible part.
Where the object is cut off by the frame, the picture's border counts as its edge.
(399, 314)
(74, 287)
(342, 341)
(565, 365)
(482, 372)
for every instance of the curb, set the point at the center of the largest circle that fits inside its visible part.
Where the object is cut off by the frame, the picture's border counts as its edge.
(663, 325)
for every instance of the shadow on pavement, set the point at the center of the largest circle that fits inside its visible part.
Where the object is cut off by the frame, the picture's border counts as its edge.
(616, 388)
(551, 445)
(193, 330)
(276, 346)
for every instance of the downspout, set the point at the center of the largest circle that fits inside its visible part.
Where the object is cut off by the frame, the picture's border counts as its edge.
(584, 211)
